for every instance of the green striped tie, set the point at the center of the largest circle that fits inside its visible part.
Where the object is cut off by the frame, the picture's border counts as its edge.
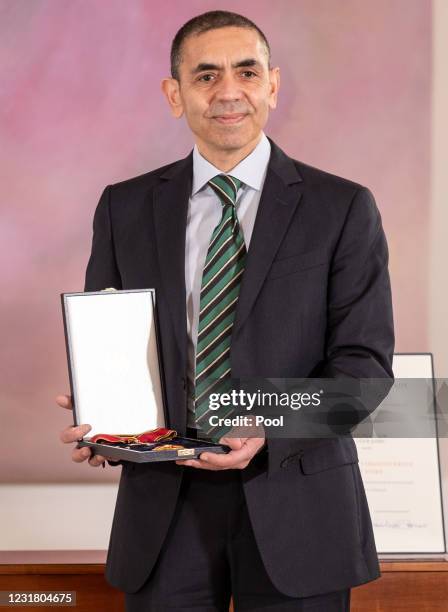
(221, 280)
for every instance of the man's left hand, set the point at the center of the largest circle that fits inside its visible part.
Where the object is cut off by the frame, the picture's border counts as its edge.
(243, 450)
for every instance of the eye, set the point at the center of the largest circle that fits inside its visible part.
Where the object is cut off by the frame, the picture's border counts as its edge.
(249, 72)
(203, 77)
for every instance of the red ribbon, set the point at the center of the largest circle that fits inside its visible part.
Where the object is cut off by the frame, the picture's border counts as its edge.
(154, 435)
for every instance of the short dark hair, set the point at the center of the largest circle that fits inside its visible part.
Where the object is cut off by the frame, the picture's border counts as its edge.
(212, 20)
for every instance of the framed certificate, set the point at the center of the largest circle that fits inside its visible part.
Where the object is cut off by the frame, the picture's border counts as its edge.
(402, 475)
(116, 377)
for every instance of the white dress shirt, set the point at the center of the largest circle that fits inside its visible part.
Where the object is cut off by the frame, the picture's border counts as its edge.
(204, 214)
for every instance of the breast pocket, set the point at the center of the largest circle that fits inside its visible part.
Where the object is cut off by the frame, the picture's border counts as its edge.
(298, 262)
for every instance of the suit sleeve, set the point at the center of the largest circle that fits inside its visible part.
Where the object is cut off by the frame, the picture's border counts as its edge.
(360, 338)
(102, 270)
(360, 331)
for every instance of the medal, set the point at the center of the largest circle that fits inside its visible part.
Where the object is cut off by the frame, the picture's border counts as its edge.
(169, 447)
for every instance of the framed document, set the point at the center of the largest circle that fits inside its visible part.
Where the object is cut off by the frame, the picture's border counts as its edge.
(402, 475)
(116, 377)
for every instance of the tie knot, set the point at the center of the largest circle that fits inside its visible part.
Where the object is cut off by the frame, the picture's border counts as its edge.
(226, 187)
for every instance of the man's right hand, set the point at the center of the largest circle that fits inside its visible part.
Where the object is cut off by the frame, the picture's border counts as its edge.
(74, 434)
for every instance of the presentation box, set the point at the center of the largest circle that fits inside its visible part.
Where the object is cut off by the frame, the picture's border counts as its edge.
(116, 377)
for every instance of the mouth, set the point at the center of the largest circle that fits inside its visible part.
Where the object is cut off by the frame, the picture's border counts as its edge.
(230, 119)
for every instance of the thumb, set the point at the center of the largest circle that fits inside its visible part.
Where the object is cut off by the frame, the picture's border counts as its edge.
(234, 443)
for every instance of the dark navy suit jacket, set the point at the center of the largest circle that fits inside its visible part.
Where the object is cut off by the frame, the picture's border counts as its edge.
(315, 299)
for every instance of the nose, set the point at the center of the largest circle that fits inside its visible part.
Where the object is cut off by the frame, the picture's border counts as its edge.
(229, 88)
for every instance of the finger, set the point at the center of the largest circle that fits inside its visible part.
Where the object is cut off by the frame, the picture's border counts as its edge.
(188, 462)
(73, 434)
(64, 401)
(235, 457)
(96, 460)
(197, 464)
(80, 454)
(205, 465)
(233, 443)
(228, 461)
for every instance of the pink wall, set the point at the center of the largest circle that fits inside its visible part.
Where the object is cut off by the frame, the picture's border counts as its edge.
(81, 107)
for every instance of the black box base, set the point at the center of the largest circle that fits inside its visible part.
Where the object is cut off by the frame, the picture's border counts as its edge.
(192, 449)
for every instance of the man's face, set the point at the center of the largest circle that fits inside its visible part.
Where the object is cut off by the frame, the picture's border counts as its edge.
(226, 88)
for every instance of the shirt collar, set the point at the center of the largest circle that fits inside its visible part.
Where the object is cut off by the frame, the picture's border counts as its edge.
(251, 170)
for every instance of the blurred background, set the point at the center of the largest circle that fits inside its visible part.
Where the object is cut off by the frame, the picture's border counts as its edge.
(363, 93)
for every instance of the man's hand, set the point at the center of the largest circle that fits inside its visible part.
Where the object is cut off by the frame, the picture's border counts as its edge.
(243, 450)
(73, 434)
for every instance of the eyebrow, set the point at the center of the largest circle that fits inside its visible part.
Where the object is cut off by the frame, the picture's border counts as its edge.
(245, 63)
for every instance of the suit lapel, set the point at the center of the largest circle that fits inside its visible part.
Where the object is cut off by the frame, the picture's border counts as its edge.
(279, 199)
(170, 221)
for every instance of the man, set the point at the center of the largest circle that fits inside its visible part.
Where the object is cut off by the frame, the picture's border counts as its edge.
(279, 524)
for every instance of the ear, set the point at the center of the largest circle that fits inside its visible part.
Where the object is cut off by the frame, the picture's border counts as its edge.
(171, 89)
(274, 85)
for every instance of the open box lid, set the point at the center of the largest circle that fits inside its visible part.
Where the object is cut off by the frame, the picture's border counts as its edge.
(114, 360)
